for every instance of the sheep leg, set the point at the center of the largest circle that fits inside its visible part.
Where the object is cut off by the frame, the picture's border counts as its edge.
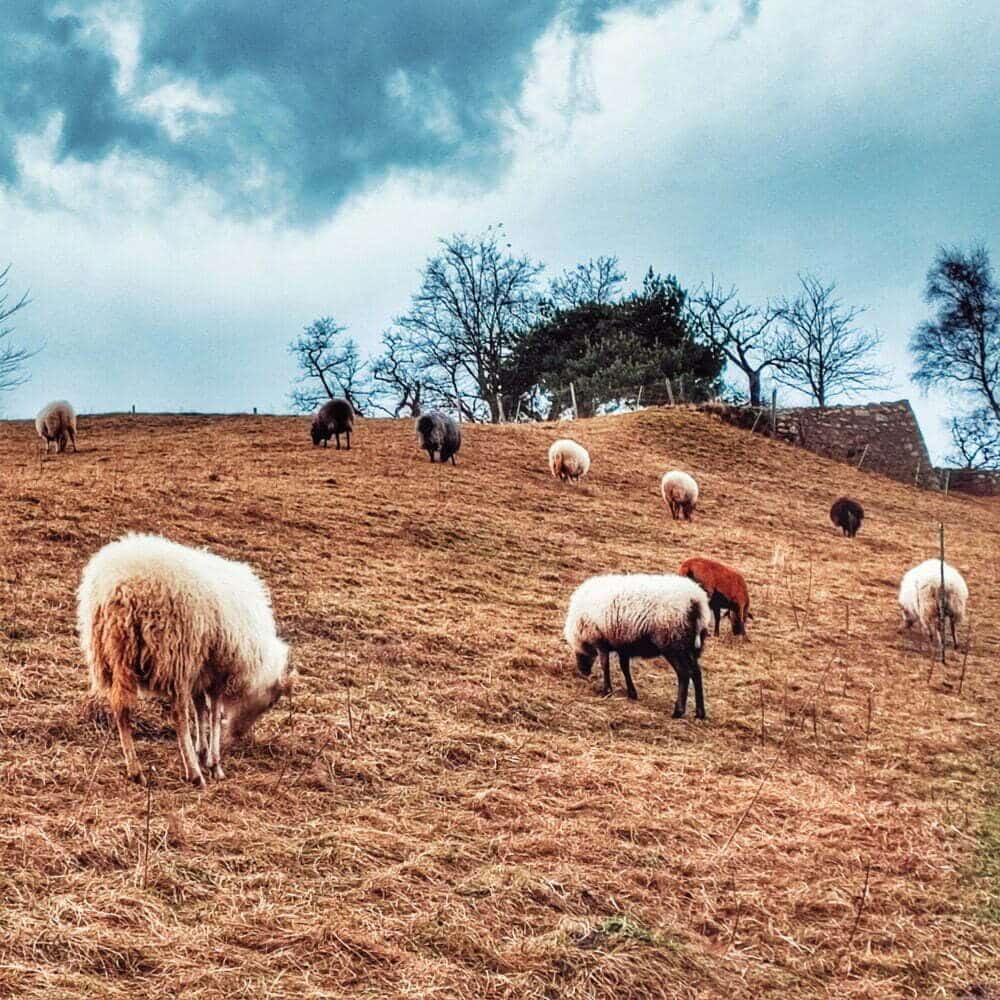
(348, 440)
(453, 462)
(123, 721)
(72, 438)
(699, 694)
(630, 687)
(680, 668)
(336, 435)
(203, 738)
(606, 667)
(215, 745)
(182, 723)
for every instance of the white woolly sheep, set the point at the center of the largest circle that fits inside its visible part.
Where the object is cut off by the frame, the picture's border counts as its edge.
(921, 602)
(568, 460)
(57, 422)
(680, 493)
(641, 615)
(189, 626)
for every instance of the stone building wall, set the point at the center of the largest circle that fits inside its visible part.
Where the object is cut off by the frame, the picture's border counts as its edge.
(979, 482)
(881, 437)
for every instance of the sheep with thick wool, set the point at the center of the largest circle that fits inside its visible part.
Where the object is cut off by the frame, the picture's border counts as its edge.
(333, 418)
(922, 602)
(568, 460)
(726, 590)
(847, 514)
(680, 493)
(641, 615)
(57, 422)
(189, 626)
(439, 435)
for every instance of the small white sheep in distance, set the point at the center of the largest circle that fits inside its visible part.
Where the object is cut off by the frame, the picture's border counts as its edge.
(641, 615)
(568, 460)
(680, 493)
(921, 603)
(189, 626)
(57, 422)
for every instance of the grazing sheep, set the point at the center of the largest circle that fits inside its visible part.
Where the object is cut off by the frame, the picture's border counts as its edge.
(921, 602)
(439, 434)
(645, 616)
(726, 589)
(333, 418)
(568, 460)
(680, 493)
(848, 515)
(189, 626)
(57, 422)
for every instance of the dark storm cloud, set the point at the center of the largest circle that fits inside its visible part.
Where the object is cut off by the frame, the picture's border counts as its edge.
(49, 66)
(316, 98)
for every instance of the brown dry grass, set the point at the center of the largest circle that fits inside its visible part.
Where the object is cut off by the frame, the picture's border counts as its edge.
(447, 810)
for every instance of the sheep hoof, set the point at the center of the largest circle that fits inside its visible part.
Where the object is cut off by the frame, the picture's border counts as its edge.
(139, 777)
(677, 714)
(218, 773)
(605, 692)
(633, 696)
(700, 715)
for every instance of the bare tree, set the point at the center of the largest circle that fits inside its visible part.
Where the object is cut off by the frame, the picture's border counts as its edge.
(597, 281)
(398, 377)
(328, 367)
(819, 350)
(474, 299)
(12, 358)
(745, 333)
(960, 347)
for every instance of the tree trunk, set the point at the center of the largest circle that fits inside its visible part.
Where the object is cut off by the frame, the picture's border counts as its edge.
(754, 378)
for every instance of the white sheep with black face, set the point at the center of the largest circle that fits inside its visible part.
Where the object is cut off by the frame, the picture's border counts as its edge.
(568, 460)
(641, 615)
(189, 626)
(920, 599)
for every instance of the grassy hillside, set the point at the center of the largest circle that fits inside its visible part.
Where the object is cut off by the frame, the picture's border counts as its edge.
(446, 809)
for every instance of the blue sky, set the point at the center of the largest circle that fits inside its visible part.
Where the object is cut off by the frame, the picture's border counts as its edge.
(183, 186)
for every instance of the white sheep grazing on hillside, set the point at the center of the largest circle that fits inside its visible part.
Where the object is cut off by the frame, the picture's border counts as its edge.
(568, 460)
(680, 493)
(189, 626)
(920, 598)
(57, 422)
(641, 615)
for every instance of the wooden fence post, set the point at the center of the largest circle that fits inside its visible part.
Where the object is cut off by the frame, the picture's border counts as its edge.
(572, 393)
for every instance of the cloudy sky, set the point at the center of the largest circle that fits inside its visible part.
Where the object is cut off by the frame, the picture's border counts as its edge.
(184, 184)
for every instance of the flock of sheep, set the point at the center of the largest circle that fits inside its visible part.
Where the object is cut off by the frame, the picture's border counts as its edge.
(198, 630)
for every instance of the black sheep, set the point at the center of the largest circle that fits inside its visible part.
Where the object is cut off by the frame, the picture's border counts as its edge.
(847, 514)
(333, 418)
(440, 435)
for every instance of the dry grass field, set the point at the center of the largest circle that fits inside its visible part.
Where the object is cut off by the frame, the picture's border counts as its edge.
(445, 809)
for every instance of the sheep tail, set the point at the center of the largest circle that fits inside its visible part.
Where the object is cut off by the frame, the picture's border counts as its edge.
(117, 651)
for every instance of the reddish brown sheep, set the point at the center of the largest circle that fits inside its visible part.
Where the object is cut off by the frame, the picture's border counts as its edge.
(726, 589)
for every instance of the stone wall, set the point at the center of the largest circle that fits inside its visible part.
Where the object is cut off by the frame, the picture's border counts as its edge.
(880, 437)
(979, 482)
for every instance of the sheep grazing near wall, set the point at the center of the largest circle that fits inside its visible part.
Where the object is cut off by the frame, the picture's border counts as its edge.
(57, 422)
(920, 599)
(680, 493)
(847, 514)
(333, 418)
(645, 616)
(568, 460)
(726, 590)
(439, 435)
(188, 626)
